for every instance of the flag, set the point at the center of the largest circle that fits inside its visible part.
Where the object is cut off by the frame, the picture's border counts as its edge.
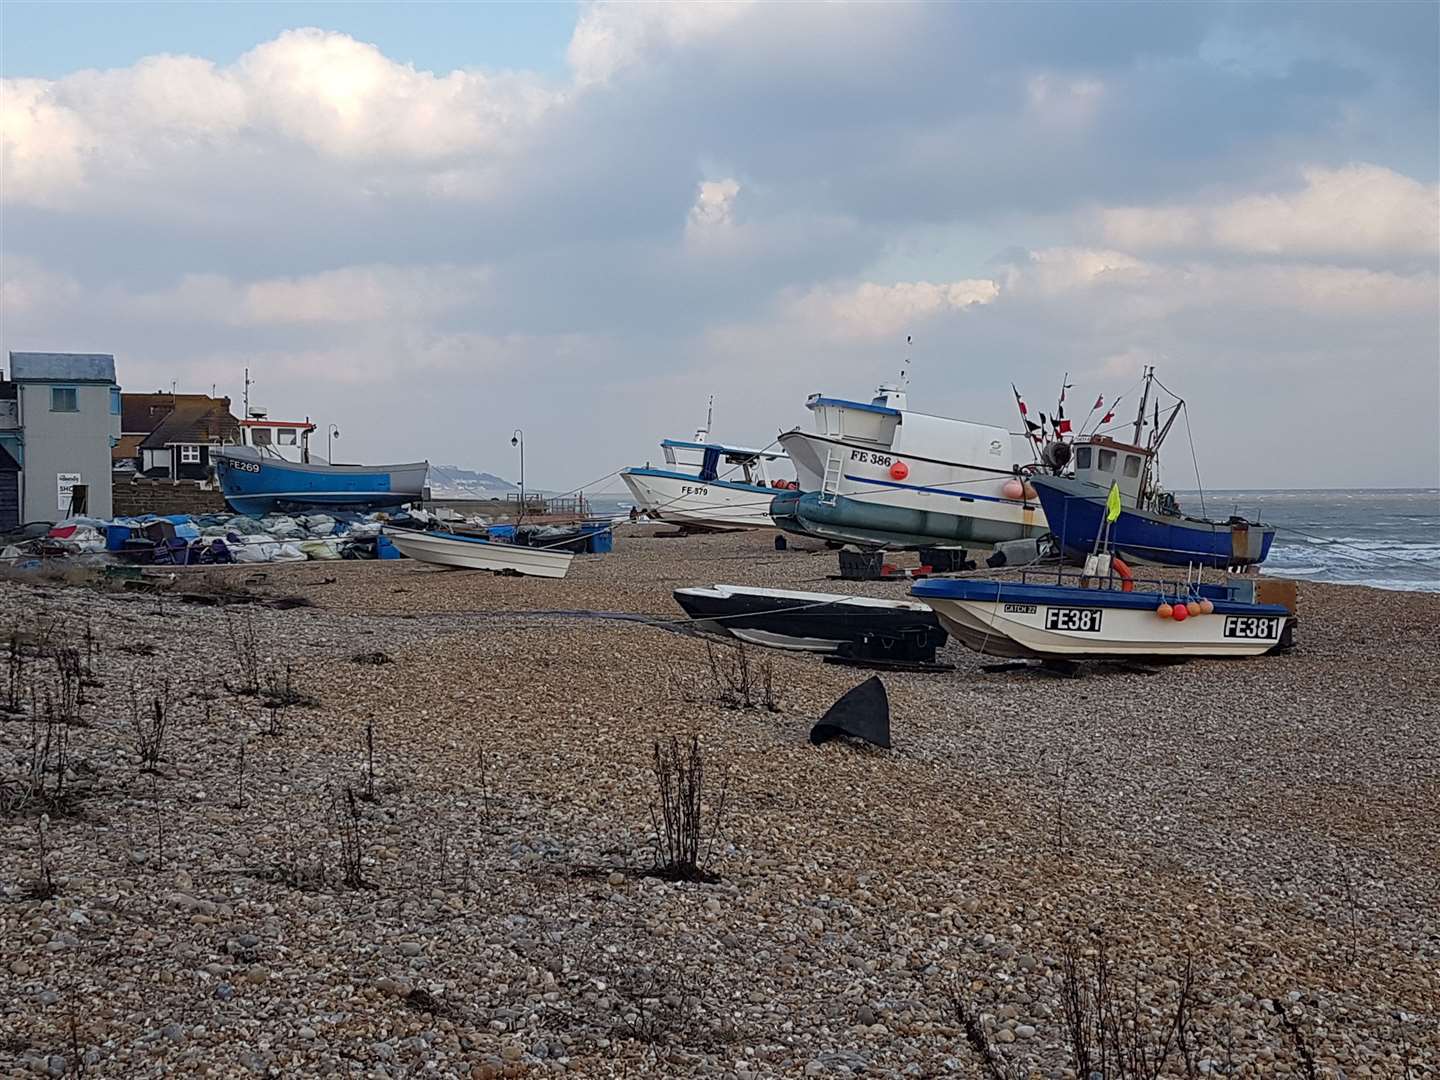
(1112, 504)
(1106, 418)
(1064, 427)
(1098, 402)
(1019, 401)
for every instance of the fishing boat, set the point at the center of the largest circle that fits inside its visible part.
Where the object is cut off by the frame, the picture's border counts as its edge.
(708, 485)
(879, 475)
(1110, 617)
(816, 622)
(474, 553)
(257, 483)
(1151, 527)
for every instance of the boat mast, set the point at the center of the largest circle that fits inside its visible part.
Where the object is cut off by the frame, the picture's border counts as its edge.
(1144, 397)
(703, 435)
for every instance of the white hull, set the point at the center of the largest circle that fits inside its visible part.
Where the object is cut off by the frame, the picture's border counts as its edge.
(987, 627)
(969, 490)
(480, 554)
(691, 501)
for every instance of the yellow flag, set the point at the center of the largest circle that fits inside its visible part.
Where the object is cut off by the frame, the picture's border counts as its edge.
(1112, 504)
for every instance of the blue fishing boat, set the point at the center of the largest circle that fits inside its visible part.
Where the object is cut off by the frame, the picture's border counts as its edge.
(1151, 527)
(256, 484)
(1075, 510)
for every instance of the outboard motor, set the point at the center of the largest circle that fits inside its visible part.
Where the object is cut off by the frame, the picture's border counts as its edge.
(1056, 454)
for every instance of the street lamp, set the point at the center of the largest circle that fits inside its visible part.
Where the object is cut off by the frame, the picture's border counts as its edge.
(518, 439)
(332, 433)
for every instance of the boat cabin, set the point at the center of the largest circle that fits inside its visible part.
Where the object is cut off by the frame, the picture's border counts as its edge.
(890, 427)
(287, 439)
(714, 461)
(1103, 461)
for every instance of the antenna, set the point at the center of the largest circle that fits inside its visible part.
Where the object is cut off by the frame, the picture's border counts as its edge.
(905, 367)
(247, 394)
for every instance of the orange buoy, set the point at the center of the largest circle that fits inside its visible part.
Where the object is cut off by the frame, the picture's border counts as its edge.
(1193, 607)
(1013, 489)
(1029, 491)
(1164, 611)
(899, 470)
(1180, 613)
(1207, 607)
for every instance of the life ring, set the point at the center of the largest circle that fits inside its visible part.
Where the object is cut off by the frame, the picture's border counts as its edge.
(1127, 579)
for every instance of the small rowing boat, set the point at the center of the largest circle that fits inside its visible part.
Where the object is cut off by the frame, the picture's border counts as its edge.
(473, 553)
(816, 622)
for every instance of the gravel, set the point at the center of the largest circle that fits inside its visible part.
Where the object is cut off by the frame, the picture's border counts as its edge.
(1272, 819)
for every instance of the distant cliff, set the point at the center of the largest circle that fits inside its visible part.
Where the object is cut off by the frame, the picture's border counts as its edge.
(453, 482)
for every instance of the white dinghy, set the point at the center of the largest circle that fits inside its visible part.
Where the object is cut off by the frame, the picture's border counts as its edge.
(473, 553)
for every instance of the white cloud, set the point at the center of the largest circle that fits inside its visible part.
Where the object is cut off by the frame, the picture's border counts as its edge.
(1357, 210)
(873, 311)
(714, 205)
(326, 92)
(613, 36)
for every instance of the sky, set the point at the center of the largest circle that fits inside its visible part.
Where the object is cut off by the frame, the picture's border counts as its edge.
(431, 224)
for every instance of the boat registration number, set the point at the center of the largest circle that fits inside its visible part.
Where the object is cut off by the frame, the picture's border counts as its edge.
(1253, 626)
(869, 458)
(245, 466)
(1019, 609)
(686, 489)
(1086, 620)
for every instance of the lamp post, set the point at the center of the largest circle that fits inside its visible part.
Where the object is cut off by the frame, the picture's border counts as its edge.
(518, 439)
(333, 432)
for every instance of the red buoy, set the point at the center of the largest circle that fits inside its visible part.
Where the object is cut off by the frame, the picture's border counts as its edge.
(1180, 613)
(899, 470)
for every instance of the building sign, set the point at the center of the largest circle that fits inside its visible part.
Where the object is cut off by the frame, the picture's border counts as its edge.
(65, 484)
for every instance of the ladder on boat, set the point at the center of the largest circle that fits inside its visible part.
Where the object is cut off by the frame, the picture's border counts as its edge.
(830, 483)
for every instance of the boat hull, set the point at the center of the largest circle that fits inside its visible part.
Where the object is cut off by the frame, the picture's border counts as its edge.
(1076, 512)
(812, 622)
(1023, 620)
(932, 502)
(256, 485)
(687, 500)
(468, 553)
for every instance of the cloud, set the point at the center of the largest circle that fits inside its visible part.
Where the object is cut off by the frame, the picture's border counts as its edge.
(1359, 209)
(321, 92)
(611, 37)
(875, 311)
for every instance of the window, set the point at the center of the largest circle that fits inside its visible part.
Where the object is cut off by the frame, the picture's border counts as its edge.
(64, 399)
(287, 436)
(189, 455)
(1132, 465)
(13, 445)
(260, 436)
(1082, 458)
(114, 401)
(1107, 461)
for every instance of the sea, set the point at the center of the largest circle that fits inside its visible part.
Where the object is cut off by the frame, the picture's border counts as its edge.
(1388, 538)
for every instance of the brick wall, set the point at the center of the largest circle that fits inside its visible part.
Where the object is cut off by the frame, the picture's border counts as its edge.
(133, 497)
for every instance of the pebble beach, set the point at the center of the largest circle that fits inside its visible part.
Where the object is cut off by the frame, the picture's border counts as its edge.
(1254, 839)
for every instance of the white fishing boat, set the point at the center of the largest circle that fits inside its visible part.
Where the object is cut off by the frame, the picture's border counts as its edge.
(473, 553)
(709, 485)
(1113, 617)
(876, 473)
